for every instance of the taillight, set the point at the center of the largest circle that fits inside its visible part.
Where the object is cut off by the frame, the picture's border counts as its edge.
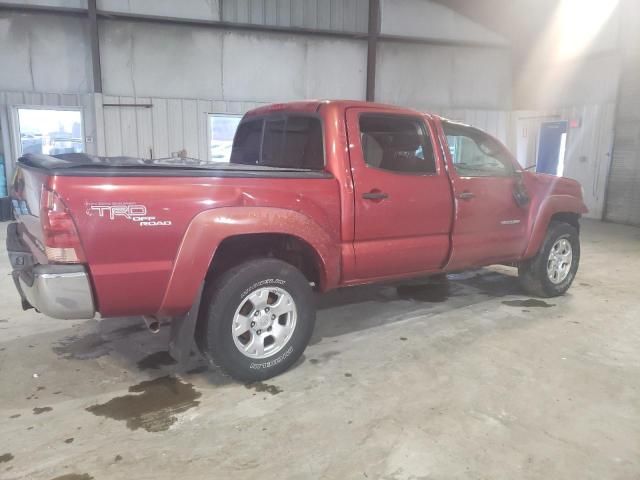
(61, 240)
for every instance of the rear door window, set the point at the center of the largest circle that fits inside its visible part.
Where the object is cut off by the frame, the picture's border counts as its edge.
(285, 141)
(396, 143)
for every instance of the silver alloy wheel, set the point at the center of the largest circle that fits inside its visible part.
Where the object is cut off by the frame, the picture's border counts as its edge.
(559, 261)
(264, 322)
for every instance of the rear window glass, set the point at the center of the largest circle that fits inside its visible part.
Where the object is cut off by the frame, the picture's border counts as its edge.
(286, 141)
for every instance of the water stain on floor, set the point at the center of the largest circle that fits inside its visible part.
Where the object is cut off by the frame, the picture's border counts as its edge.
(434, 292)
(264, 387)
(74, 476)
(39, 410)
(530, 302)
(153, 406)
(6, 457)
(156, 360)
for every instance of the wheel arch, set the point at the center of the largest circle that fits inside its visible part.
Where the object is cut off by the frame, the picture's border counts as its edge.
(560, 208)
(223, 230)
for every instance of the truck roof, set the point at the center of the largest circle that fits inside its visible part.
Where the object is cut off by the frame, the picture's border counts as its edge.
(313, 106)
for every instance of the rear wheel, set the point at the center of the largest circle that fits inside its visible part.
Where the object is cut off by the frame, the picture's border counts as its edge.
(258, 319)
(551, 272)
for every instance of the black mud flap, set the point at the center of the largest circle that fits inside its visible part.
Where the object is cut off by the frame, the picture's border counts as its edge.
(181, 335)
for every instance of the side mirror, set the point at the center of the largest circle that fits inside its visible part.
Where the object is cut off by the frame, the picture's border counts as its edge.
(520, 194)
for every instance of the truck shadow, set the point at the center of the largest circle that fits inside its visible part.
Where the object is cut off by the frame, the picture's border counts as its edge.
(380, 305)
(340, 312)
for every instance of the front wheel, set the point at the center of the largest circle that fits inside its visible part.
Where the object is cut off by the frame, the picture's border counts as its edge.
(258, 319)
(551, 272)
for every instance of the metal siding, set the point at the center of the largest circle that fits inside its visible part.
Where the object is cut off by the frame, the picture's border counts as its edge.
(623, 189)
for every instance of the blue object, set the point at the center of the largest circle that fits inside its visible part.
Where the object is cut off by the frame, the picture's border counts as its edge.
(549, 151)
(3, 178)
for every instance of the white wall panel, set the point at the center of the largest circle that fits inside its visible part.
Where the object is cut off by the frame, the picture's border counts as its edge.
(188, 9)
(427, 19)
(169, 126)
(424, 76)
(44, 53)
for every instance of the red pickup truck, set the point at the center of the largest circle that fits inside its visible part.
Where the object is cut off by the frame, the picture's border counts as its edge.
(317, 195)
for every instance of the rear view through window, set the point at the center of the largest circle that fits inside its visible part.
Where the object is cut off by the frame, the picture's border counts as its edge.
(285, 141)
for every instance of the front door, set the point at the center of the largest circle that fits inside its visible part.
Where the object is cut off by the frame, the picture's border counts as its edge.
(403, 208)
(490, 226)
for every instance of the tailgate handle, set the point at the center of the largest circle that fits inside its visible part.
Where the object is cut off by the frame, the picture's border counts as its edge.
(466, 195)
(375, 195)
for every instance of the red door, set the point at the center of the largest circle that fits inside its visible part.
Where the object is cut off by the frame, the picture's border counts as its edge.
(490, 226)
(403, 205)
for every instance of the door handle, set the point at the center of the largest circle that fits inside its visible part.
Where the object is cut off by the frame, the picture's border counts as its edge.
(375, 195)
(466, 195)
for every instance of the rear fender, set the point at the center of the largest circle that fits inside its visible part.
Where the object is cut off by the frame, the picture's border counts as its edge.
(209, 228)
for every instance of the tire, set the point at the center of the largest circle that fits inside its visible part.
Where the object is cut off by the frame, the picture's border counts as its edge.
(229, 303)
(534, 274)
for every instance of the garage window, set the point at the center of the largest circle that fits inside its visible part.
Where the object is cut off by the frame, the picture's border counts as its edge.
(396, 143)
(222, 128)
(50, 131)
(284, 141)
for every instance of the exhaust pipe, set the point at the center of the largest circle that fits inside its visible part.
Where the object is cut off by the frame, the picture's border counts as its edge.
(153, 324)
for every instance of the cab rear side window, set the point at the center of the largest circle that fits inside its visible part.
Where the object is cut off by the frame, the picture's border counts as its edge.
(285, 141)
(396, 143)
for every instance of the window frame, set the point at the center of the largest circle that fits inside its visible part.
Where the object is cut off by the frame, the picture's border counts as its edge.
(15, 121)
(282, 115)
(427, 133)
(511, 168)
(211, 115)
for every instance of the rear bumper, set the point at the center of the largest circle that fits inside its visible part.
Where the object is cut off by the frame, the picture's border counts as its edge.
(59, 291)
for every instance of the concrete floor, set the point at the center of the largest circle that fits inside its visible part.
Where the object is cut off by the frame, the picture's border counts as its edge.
(476, 382)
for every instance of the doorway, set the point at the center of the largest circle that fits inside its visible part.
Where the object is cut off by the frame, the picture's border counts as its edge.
(552, 143)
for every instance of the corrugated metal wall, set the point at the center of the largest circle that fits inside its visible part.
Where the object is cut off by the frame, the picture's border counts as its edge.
(168, 126)
(331, 15)
(623, 190)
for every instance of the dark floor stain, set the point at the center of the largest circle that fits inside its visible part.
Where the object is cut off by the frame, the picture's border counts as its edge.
(15, 416)
(525, 311)
(117, 458)
(200, 369)
(348, 375)
(404, 339)
(74, 476)
(40, 388)
(156, 360)
(39, 410)
(57, 393)
(264, 387)
(3, 320)
(6, 457)
(530, 302)
(314, 361)
(585, 284)
(154, 408)
(83, 348)
(432, 292)
(30, 428)
(69, 440)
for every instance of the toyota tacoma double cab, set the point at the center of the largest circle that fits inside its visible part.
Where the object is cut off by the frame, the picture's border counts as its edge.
(317, 195)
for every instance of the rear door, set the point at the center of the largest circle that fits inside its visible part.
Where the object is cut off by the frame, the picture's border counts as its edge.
(490, 226)
(403, 204)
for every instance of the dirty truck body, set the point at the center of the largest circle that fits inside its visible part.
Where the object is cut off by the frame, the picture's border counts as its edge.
(318, 195)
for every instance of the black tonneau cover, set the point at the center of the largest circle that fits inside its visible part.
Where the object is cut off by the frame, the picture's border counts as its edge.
(84, 165)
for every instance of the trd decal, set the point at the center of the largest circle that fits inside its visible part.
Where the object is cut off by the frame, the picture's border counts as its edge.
(130, 211)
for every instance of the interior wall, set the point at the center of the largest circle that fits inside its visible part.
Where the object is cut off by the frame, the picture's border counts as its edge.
(44, 53)
(199, 62)
(431, 76)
